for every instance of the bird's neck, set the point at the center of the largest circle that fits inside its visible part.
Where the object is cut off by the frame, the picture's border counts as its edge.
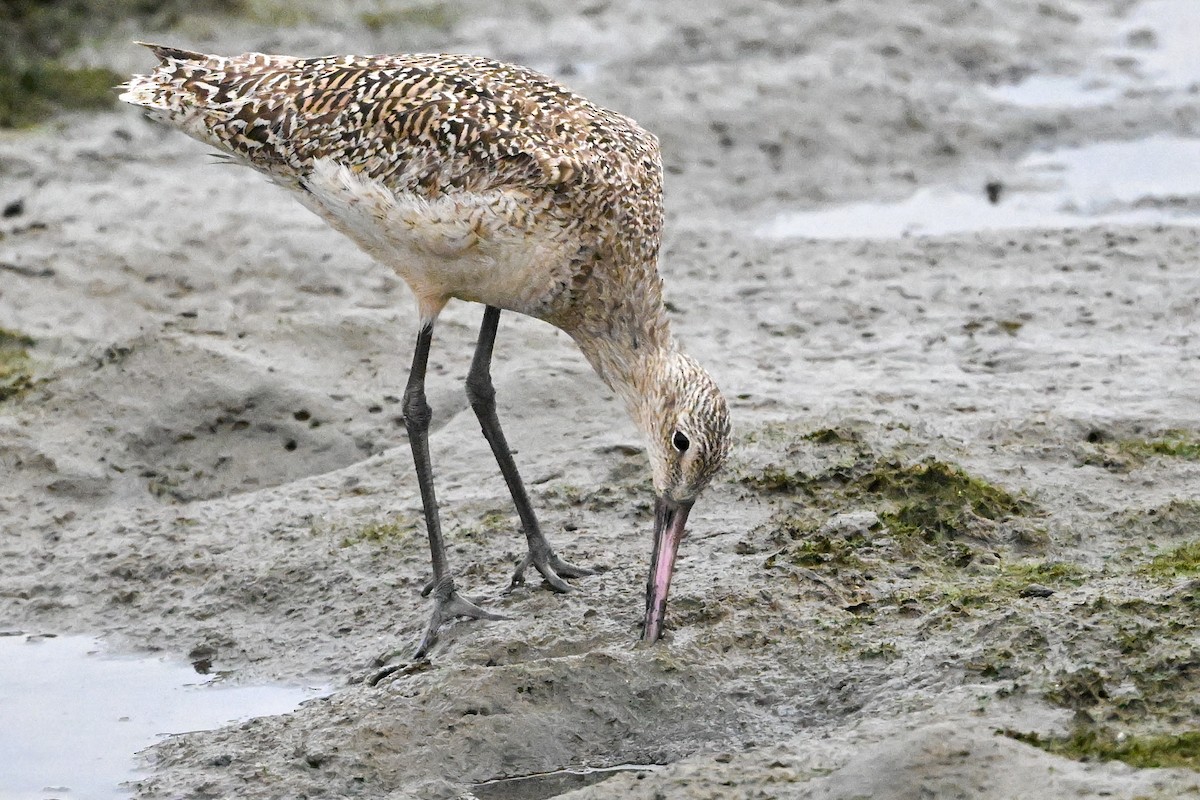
(624, 333)
(632, 364)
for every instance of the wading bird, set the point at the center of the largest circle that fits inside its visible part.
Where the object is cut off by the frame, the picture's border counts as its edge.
(491, 183)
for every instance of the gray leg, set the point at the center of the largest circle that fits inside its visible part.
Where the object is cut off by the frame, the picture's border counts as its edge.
(482, 395)
(447, 604)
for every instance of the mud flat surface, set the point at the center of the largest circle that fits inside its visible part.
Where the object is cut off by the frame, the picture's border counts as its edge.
(955, 553)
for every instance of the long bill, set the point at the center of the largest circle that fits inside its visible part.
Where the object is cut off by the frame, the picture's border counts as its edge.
(670, 517)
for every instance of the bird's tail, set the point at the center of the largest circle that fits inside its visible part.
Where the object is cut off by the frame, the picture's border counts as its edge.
(173, 92)
(232, 103)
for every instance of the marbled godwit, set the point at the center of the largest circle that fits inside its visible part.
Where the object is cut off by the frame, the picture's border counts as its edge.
(491, 183)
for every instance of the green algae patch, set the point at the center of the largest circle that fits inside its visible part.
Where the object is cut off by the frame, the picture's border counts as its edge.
(34, 80)
(1172, 444)
(925, 531)
(893, 540)
(1120, 454)
(816, 548)
(28, 95)
(16, 369)
(1177, 519)
(1093, 743)
(36, 36)
(929, 500)
(435, 16)
(814, 461)
(1134, 672)
(959, 589)
(1016, 576)
(380, 532)
(833, 436)
(1045, 572)
(1134, 662)
(1182, 561)
(934, 499)
(775, 479)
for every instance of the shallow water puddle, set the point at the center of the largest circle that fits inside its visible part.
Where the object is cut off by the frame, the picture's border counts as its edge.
(1148, 181)
(1165, 33)
(72, 718)
(1057, 91)
(551, 784)
(1158, 36)
(1109, 176)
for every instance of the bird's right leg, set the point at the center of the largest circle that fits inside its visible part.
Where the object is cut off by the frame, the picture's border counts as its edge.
(482, 395)
(447, 603)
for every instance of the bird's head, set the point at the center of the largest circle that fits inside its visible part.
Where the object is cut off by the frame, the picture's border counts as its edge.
(686, 422)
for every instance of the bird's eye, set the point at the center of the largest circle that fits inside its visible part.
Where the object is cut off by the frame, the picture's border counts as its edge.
(680, 441)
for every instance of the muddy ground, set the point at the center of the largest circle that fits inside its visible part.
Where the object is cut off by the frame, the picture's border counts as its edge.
(962, 500)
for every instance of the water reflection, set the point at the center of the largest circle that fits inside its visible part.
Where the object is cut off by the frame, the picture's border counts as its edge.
(74, 717)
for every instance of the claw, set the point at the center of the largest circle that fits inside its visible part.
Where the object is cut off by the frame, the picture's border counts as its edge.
(448, 604)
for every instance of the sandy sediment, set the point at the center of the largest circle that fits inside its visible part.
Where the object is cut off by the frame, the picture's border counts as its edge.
(958, 457)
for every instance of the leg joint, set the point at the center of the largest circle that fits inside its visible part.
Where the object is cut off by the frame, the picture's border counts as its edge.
(480, 390)
(417, 414)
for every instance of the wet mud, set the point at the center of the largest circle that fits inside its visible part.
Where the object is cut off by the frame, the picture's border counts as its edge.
(954, 553)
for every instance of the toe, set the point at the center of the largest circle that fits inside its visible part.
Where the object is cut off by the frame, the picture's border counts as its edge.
(518, 577)
(552, 569)
(551, 577)
(448, 604)
(568, 570)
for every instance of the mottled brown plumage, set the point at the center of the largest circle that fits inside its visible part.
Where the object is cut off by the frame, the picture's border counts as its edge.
(486, 182)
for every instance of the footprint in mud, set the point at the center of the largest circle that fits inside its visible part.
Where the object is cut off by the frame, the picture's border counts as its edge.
(188, 424)
(222, 446)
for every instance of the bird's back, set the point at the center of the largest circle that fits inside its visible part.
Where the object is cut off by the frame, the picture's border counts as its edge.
(423, 122)
(449, 130)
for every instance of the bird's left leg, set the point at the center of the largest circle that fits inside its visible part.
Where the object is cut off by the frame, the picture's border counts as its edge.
(482, 395)
(447, 603)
